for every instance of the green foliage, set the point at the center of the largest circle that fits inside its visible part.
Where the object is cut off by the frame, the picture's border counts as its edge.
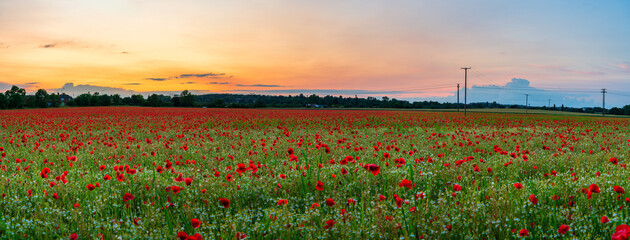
(16, 97)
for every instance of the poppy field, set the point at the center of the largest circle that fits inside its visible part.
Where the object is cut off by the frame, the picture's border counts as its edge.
(176, 173)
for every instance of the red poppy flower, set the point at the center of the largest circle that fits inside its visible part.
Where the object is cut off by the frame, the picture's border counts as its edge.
(282, 202)
(405, 183)
(523, 233)
(176, 189)
(188, 181)
(314, 205)
(374, 169)
(90, 187)
(330, 202)
(533, 199)
(179, 177)
(593, 188)
(329, 224)
(563, 229)
(107, 177)
(381, 198)
(619, 189)
(74, 236)
(182, 235)
(613, 160)
(622, 232)
(457, 187)
(195, 222)
(319, 186)
(225, 202)
(518, 185)
(44, 173)
(128, 196)
(228, 177)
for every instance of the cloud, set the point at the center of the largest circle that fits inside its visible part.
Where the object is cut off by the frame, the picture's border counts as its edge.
(201, 75)
(257, 85)
(518, 83)
(76, 90)
(564, 69)
(125, 52)
(156, 79)
(32, 83)
(513, 92)
(52, 45)
(321, 92)
(189, 83)
(4, 45)
(4, 86)
(190, 75)
(219, 83)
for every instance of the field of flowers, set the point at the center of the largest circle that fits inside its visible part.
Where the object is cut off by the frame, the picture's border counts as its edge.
(166, 173)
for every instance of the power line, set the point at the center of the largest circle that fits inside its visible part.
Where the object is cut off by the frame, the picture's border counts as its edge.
(465, 87)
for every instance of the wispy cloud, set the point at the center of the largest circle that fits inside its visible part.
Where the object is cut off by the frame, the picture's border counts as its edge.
(219, 83)
(321, 91)
(51, 45)
(4, 45)
(32, 83)
(132, 83)
(257, 85)
(156, 79)
(202, 75)
(565, 69)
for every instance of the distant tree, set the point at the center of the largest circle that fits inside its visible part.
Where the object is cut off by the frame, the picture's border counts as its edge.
(176, 101)
(40, 98)
(30, 101)
(116, 100)
(53, 100)
(187, 99)
(219, 103)
(153, 100)
(313, 99)
(83, 100)
(127, 101)
(16, 97)
(4, 102)
(137, 100)
(104, 100)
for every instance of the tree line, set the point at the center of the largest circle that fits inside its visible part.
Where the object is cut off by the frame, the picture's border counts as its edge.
(16, 98)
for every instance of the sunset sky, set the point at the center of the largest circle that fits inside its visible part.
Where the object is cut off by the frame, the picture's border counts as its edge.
(413, 50)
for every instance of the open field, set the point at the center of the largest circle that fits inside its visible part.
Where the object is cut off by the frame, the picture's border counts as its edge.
(164, 173)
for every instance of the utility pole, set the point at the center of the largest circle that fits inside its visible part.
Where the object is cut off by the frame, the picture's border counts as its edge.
(603, 101)
(458, 97)
(465, 88)
(549, 104)
(526, 101)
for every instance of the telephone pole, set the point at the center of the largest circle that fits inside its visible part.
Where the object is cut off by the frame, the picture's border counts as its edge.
(458, 97)
(465, 88)
(549, 104)
(526, 101)
(603, 101)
